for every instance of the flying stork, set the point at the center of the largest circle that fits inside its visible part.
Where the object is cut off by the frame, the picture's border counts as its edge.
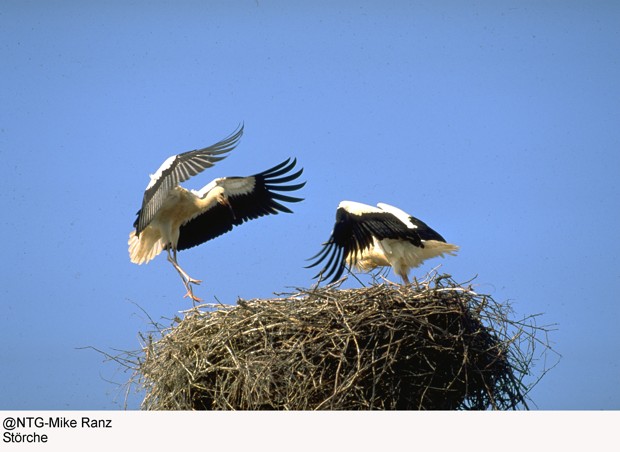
(173, 218)
(365, 237)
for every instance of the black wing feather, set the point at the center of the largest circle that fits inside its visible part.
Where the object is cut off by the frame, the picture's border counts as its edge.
(261, 201)
(425, 231)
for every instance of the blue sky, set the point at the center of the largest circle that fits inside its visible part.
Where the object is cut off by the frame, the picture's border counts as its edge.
(497, 123)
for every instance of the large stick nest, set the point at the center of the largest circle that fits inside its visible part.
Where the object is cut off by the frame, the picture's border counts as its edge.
(430, 345)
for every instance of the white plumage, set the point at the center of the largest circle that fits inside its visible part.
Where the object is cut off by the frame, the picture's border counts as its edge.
(173, 218)
(366, 237)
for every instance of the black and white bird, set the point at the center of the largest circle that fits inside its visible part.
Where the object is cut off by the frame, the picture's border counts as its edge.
(173, 218)
(366, 237)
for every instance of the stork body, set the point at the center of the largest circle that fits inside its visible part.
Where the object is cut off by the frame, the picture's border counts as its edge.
(173, 218)
(366, 237)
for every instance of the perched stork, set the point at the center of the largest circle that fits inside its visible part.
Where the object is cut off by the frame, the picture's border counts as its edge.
(365, 237)
(173, 218)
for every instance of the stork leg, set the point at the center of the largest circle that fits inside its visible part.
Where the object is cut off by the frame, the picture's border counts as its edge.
(187, 280)
(184, 275)
(405, 279)
(190, 293)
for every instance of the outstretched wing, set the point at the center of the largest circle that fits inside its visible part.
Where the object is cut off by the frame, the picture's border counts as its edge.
(249, 198)
(177, 169)
(354, 231)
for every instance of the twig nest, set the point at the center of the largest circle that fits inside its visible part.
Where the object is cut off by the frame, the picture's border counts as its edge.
(430, 345)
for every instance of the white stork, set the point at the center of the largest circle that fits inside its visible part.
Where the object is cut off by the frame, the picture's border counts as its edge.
(365, 237)
(173, 218)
